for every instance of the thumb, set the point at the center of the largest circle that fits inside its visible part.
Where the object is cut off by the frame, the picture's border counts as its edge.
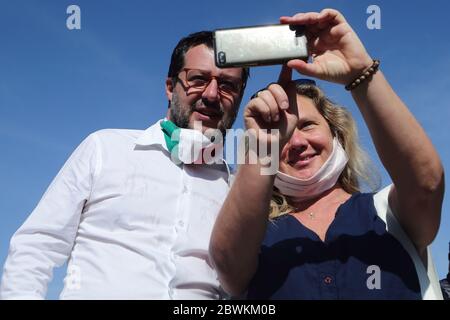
(307, 69)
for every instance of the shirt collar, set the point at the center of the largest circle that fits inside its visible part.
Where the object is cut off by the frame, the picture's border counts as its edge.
(152, 136)
(155, 136)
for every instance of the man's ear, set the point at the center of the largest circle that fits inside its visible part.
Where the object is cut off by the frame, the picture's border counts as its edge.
(169, 88)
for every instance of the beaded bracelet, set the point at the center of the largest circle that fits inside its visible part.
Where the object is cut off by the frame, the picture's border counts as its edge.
(367, 74)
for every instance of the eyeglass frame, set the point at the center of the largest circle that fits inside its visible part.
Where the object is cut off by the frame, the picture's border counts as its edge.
(304, 81)
(186, 85)
(296, 82)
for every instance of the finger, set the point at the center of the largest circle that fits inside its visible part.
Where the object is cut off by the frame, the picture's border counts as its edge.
(291, 92)
(259, 109)
(302, 18)
(280, 96)
(329, 18)
(270, 101)
(288, 19)
(256, 94)
(307, 19)
(295, 16)
(285, 75)
(339, 30)
(307, 69)
(331, 14)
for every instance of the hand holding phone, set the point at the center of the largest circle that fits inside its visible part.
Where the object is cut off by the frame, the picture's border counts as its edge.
(338, 54)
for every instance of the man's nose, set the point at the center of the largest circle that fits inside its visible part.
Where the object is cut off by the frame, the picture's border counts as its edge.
(211, 92)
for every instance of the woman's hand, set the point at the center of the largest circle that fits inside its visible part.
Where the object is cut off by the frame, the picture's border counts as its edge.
(273, 108)
(337, 53)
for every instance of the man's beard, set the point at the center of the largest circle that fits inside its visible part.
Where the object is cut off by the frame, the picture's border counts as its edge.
(180, 114)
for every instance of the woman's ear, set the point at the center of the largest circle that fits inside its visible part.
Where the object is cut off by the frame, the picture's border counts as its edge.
(169, 88)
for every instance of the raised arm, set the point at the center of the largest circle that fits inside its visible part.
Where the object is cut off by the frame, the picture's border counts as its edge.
(241, 224)
(402, 145)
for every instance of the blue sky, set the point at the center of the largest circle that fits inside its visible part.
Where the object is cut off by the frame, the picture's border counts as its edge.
(57, 85)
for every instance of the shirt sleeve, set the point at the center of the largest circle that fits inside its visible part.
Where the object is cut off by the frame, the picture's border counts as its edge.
(46, 238)
(429, 284)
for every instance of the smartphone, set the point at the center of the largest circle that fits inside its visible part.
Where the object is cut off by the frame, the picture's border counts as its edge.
(259, 45)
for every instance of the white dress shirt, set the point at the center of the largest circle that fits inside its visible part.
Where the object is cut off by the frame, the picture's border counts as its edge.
(133, 224)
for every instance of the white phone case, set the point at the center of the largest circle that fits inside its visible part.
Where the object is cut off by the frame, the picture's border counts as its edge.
(259, 45)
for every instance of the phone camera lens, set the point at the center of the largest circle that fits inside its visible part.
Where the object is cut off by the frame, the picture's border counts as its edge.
(299, 30)
(222, 57)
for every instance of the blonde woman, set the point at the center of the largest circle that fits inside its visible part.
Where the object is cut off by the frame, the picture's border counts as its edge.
(326, 239)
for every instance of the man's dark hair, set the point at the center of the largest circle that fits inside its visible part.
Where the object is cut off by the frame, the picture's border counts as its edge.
(192, 40)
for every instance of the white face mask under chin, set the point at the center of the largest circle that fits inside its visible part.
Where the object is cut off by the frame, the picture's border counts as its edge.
(324, 179)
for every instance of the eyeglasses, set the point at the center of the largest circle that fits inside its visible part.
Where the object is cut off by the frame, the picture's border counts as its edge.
(196, 80)
(304, 81)
(296, 82)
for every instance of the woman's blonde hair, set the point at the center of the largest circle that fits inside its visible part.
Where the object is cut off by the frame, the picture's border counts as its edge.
(359, 167)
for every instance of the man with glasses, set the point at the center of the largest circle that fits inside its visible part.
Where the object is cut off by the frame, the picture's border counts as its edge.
(132, 222)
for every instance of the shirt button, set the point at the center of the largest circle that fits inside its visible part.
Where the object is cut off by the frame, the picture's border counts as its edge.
(181, 223)
(185, 190)
(327, 280)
